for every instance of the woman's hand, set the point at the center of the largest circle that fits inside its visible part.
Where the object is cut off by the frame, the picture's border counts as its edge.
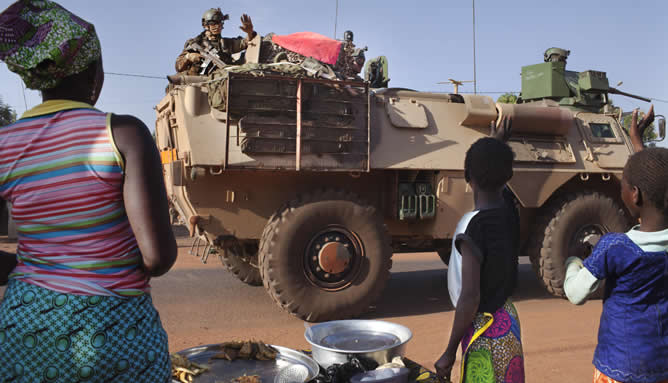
(444, 364)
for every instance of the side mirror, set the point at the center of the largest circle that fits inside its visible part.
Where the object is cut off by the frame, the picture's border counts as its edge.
(659, 129)
(662, 127)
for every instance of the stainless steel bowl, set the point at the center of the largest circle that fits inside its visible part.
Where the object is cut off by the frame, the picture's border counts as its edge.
(334, 342)
(289, 366)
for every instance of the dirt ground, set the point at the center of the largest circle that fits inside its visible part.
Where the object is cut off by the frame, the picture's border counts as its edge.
(203, 304)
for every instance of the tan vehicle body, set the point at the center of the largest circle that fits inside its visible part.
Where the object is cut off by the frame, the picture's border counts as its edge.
(229, 174)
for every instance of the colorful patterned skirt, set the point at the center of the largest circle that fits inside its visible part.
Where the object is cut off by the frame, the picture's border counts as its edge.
(492, 348)
(47, 336)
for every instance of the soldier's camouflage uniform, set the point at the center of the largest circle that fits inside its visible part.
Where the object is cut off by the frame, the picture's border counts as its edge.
(223, 45)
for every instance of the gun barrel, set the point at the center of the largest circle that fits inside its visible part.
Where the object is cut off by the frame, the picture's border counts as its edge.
(617, 91)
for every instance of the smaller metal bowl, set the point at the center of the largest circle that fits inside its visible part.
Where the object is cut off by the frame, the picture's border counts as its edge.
(336, 341)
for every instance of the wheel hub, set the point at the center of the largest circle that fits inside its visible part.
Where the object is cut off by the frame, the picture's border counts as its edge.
(333, 258)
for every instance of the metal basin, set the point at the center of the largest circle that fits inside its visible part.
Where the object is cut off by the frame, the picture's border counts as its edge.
(289, 366)
(334, 342)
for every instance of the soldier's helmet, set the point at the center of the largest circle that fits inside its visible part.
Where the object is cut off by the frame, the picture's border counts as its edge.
(556, 55)
(213, 15)
(348, 36)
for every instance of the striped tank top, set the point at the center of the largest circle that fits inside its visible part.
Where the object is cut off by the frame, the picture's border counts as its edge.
(62, 173)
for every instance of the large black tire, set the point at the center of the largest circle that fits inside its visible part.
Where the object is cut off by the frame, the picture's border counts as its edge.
(564, 222)
(241, 259)
(287, 248)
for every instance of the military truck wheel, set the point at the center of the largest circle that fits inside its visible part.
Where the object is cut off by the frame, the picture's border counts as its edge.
(241, 259)
(325, 256)
(564, 224)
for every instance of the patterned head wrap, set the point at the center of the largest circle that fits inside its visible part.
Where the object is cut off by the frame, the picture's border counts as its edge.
(43, 42)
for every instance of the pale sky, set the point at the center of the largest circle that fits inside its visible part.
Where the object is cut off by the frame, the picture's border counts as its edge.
(425, 41)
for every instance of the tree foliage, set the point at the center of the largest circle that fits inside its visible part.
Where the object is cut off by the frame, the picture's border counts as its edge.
(507, 98)
(7, 114)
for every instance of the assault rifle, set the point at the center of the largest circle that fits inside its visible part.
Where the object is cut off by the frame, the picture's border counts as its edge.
(209, 57)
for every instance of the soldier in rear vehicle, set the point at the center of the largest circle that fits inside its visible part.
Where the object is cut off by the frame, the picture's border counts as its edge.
(197, 52)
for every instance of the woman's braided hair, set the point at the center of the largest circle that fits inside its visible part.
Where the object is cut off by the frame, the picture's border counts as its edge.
(648, 171)
(490, 163)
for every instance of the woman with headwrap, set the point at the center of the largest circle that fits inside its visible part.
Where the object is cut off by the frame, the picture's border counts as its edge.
(91, 211)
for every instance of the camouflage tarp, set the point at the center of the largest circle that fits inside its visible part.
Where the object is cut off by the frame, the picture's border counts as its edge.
(343, 69)
(275, 59)
(216, 86)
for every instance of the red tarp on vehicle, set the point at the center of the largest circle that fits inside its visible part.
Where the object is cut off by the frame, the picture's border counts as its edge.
(311, 44)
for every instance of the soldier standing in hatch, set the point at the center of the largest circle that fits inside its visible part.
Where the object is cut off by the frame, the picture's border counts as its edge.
(191, 61)
(348, 36)
(353, 58)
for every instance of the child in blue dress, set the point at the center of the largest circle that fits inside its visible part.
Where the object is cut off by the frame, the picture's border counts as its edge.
(633, 333)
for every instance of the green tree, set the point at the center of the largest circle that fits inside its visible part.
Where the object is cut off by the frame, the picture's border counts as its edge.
(7, 114)
(507, 98)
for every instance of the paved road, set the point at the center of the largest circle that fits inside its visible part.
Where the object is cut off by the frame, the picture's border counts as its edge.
(202, 303)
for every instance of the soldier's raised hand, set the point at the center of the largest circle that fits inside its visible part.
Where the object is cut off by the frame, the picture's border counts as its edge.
(246, 25)
(637, 129)
(503, 130)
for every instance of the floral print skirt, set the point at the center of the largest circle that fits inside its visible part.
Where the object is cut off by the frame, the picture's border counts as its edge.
(495, 354)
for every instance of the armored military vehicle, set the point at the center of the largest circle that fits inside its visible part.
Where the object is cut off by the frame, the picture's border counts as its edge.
(308, 186)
